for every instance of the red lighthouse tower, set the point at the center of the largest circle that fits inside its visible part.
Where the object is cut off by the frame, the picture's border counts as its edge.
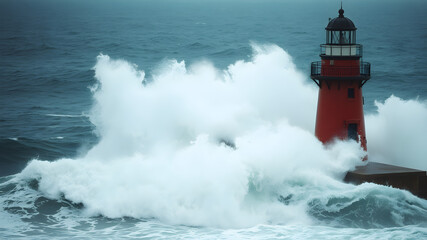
(340, 76)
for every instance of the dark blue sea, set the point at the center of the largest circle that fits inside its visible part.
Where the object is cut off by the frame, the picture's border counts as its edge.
(186, 119)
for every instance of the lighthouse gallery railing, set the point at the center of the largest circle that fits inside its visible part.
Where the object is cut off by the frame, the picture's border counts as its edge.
(363, 70)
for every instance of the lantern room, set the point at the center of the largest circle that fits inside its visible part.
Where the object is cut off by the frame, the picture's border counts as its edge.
(341, 30)
(341, 38)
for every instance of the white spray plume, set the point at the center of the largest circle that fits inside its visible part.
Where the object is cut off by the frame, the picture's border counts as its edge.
(182, 103)
(200, 146)
(397, 133)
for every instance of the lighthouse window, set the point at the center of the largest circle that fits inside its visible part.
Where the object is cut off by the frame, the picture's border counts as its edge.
(341, 37)
(351, 93)
(344, 38)
(335, 37)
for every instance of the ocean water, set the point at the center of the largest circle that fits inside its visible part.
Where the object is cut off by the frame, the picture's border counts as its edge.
(185, 119)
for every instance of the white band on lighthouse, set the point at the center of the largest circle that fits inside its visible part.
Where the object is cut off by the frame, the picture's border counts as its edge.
(332, 50)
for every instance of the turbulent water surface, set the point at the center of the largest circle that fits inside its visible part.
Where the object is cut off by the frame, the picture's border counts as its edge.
(195, 120)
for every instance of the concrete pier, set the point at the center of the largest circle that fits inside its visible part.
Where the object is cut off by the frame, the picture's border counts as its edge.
(409, 179)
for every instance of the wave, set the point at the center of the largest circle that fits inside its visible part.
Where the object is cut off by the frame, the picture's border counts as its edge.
(226, 148)
(65, 115)
(18, 151)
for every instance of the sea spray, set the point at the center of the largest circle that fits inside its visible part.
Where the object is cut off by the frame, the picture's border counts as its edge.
(203, 147)
(397, 133)
(180, 103)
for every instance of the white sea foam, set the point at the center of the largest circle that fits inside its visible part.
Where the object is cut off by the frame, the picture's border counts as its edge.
(200, 146)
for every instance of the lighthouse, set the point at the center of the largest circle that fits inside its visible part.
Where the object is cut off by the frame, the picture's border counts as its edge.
(340, 75)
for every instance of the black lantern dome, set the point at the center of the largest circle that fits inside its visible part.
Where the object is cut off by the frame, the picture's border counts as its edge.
(341, 23)
(341, 30)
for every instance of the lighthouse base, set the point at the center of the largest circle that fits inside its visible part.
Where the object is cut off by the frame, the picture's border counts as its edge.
(409, 179)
